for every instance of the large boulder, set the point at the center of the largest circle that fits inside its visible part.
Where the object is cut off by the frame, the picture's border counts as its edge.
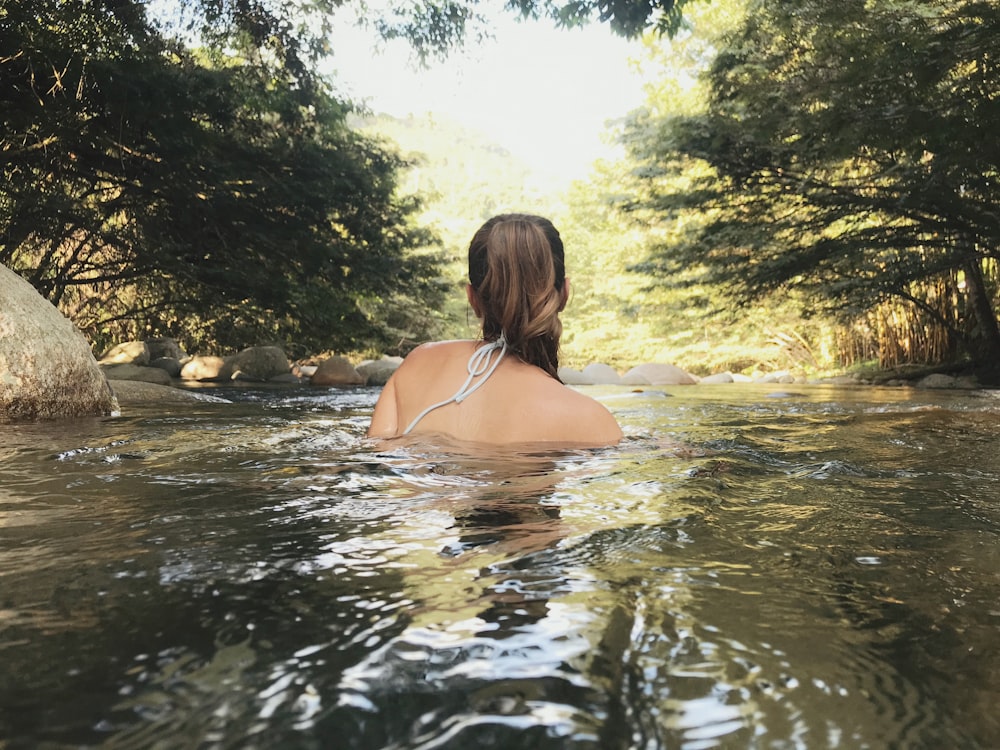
(47, 368)
(336, 371)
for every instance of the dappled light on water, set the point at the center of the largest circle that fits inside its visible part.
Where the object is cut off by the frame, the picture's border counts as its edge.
(749, 568)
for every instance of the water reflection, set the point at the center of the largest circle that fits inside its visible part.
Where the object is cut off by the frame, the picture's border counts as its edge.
(485, 655)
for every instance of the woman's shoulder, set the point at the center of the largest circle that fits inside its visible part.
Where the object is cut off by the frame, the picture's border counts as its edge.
(597, 423)
(434, 356)
(442, 347)
(438, 350)
(564, 414)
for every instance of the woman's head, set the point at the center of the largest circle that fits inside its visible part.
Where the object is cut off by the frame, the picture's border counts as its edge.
(517, 274)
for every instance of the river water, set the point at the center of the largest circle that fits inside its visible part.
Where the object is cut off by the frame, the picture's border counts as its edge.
(751, 568)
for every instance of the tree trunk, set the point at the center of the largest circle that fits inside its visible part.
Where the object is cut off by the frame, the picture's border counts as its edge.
(984, 348)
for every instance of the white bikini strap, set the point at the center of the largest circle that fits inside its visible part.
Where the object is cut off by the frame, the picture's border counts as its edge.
(479, 364)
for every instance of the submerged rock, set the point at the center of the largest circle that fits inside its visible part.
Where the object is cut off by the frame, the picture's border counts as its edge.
(47, 368)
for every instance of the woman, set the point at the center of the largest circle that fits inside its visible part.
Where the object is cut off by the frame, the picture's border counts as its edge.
(504, 389)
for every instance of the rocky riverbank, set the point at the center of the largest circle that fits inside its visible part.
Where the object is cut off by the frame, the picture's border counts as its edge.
(47, 369)
(163, 362)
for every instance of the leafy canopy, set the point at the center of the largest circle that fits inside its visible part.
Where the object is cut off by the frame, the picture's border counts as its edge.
(181, 168)
(151, 189)
(845, 151)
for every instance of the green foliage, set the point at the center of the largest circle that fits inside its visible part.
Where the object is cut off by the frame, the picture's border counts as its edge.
(845, 154)
(623, 314)
(625, 17)
(180, 168)
(150, 190)
(433, 27)
(616, 314)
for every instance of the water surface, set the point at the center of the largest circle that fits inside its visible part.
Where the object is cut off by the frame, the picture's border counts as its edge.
(751, 568)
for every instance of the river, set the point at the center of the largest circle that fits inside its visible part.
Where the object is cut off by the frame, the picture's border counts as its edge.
(810, 567)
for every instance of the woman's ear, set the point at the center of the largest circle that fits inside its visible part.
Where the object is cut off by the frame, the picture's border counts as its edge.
(564, 295)
(473, 300)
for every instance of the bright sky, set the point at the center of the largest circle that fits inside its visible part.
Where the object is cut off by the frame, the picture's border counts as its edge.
(541, 92)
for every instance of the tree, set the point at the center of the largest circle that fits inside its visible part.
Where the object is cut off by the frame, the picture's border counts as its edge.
(152, 189)
(433, 27)
(189, 173)
(845, 152)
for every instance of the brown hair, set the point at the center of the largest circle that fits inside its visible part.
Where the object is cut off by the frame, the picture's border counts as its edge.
(517, 270)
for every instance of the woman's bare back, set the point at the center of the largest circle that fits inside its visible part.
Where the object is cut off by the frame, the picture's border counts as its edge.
(519, 403)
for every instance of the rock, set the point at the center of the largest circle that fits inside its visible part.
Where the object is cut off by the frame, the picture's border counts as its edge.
(47, 368)
(781, 376)
(127, 353)
(840, 380)
(136, 372)
(938, 380)
(719, 377)
(336, 371)
(658, 374)
(378, 372)
(599, 373)
(739, 377)
(258, 363)
(573, 377)
(634, 378)
(206, 369)
(169, 365)
(138, 392)
(165, 347)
